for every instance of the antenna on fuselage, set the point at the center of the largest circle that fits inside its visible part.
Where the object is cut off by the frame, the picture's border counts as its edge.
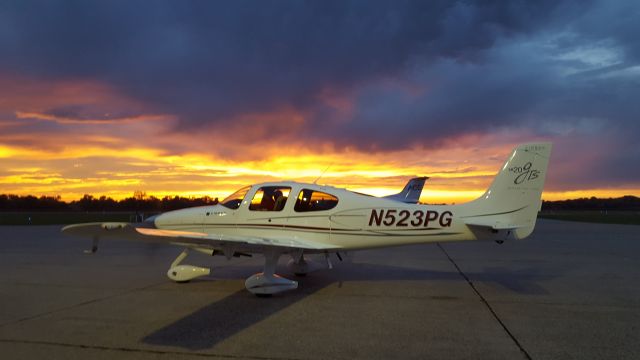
(325, 170)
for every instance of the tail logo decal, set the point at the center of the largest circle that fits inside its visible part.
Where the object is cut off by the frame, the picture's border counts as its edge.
(524, 173)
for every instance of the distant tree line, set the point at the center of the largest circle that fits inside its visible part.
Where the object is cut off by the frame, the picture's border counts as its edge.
(626, 203)
(143, 203)
(138, 202)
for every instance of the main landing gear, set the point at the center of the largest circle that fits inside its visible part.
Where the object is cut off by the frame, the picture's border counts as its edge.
(262, 284)
(268, 282)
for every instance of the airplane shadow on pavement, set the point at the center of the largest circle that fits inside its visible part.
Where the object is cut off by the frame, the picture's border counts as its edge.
(208, 326)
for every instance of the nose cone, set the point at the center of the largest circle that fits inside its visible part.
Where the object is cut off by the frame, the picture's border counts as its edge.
(191, 216)
(163, 219)
(150, 222)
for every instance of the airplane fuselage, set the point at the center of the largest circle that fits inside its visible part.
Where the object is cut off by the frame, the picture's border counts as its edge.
(356, 221)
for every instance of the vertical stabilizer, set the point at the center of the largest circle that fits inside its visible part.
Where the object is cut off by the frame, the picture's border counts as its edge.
(514, 198)
(411, 192)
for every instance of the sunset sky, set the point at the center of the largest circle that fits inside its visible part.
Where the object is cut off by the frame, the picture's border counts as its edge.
(202, 97)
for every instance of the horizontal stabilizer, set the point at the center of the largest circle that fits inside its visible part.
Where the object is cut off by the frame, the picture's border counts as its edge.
(495, 225)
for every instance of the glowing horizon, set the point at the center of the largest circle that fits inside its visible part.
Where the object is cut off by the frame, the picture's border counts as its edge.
(197, 175)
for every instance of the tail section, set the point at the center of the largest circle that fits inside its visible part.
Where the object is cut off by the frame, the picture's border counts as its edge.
(411, 192)
(513, 200)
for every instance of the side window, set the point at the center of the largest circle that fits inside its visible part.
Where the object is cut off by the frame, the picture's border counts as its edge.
(270, 198)
(310, 200)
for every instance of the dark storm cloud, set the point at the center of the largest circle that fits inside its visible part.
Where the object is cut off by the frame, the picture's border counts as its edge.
(207, 61)
(508, 90)
(575, 65)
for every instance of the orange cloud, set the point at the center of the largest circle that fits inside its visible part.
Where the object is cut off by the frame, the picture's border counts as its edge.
(31, 94)
(76, 121)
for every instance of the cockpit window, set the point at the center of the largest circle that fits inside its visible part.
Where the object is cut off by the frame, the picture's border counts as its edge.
(310, 200)
(234, 200)
(270, 198)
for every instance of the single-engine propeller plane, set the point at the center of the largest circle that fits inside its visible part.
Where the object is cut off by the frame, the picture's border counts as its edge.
(298, 219)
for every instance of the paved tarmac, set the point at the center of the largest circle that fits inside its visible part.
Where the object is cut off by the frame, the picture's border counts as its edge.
(571, 291)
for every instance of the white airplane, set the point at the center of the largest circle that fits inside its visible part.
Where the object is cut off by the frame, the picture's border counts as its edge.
(298, 219)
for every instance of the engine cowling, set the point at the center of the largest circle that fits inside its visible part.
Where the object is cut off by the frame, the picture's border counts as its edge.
(183, 273)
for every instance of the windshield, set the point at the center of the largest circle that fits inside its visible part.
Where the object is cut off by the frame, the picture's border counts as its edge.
(234, 200)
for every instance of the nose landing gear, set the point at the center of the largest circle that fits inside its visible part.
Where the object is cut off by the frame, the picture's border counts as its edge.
(185, 273)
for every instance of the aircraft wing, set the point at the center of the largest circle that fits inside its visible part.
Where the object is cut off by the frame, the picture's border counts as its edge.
(130, 232)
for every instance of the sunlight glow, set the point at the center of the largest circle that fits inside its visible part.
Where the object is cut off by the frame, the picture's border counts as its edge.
(76, 170)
